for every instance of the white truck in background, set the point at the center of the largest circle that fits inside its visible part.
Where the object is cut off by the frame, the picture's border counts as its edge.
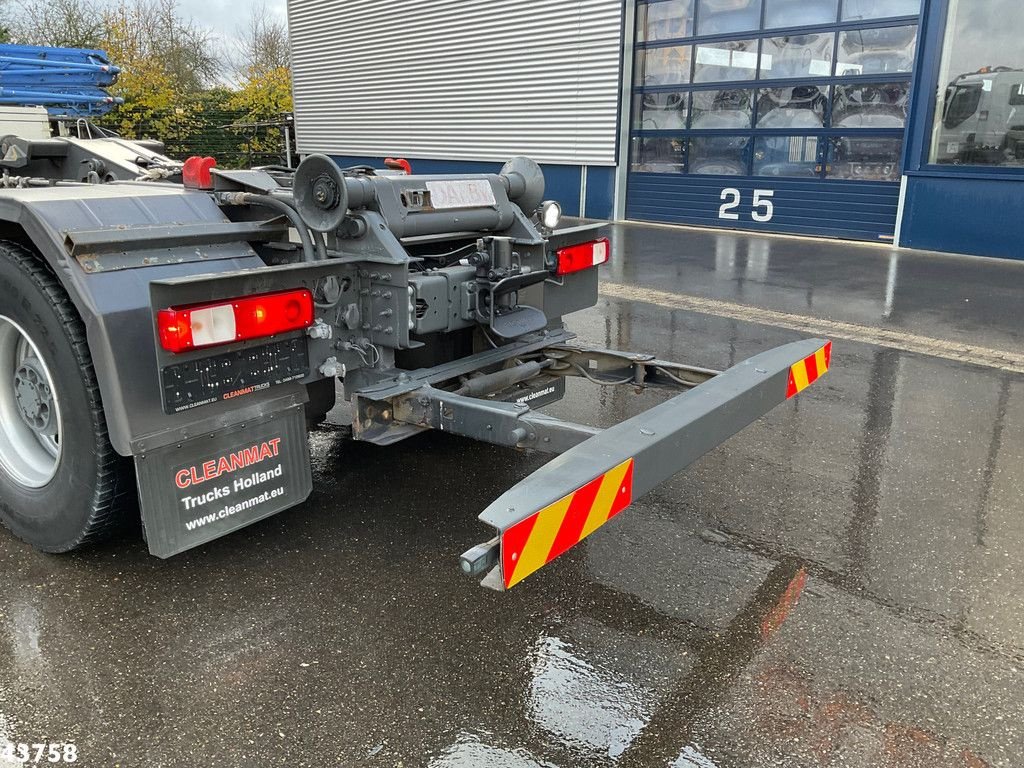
(983, 119)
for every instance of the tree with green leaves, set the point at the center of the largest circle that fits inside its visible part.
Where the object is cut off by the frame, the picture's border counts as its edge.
(174, 75)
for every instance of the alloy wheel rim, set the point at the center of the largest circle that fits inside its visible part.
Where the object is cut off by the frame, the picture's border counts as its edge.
(30, 417)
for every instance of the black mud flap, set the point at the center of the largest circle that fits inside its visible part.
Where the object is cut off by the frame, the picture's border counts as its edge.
(209, 486)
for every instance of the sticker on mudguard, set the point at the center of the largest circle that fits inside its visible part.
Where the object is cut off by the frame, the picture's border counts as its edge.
(202, 489)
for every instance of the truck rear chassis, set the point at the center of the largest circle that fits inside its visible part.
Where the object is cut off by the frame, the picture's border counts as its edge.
(544, 515)
(219, 313)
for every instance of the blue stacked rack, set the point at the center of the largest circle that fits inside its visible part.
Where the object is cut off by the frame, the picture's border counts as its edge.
(67, 81)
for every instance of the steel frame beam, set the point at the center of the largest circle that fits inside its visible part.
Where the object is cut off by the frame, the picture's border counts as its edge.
(512, 425)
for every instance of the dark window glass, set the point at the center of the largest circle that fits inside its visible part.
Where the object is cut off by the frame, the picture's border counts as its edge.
(979, 114)
(701, 95)
(663, 66)
(657, 154)
(797, 56)
(664, 21)
(800, 13)
(660, 111)
(732, 60)
(963, 104)
(854, 10)
(720, 155)
(885, 51)
(719, 17)
(727, 109)
(870, 105)
(795, 107)
(868, 158)
(786, 156)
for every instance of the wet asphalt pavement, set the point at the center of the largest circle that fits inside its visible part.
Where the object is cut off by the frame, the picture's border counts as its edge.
(842, 584)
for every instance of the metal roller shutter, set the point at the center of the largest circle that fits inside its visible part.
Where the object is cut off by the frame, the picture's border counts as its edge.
(457, 79)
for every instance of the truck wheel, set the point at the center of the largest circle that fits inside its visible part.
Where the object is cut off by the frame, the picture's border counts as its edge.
(61, 483)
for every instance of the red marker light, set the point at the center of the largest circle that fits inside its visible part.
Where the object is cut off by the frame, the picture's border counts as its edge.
(253, 317)
(399, 164)
(195, 173)
(576, 258)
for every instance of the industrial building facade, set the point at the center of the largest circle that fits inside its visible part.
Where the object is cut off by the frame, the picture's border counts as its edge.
(880, 120)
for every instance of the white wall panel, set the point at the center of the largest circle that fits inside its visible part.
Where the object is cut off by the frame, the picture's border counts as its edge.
(469, 80)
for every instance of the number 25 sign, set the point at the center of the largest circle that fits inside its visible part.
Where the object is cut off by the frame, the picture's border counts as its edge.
(763, 207)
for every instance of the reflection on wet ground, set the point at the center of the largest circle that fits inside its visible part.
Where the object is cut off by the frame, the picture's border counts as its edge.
(839, 585)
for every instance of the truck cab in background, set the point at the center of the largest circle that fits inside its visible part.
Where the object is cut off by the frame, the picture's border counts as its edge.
(983, 119)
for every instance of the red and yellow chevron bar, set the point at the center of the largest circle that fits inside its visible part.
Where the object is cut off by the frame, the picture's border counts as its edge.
(529, 545)
(809, 370)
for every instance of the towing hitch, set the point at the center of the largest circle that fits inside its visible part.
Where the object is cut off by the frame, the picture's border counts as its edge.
(598, 472)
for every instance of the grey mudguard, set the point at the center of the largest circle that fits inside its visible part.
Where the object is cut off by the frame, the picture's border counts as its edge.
(212, 485)
(110, 289)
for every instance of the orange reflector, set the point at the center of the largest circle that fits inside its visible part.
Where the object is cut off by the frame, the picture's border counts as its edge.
(529, 545)
(809, 370)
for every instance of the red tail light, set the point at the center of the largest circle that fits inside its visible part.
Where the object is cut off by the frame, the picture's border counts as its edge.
(576, 258)
(252, 317)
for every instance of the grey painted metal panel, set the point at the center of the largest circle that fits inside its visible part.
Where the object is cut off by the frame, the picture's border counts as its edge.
(457, 79)
(115, 304)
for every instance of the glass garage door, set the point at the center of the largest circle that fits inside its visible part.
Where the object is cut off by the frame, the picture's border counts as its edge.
(779, 115)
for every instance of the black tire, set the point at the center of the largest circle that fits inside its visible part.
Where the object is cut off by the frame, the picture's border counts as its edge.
(87, 497)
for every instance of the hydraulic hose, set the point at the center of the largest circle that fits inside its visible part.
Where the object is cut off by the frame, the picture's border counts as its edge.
(507, 377)
(309, 251)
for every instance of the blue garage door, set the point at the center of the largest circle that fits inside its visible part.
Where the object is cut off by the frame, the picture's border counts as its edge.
(778, 115)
